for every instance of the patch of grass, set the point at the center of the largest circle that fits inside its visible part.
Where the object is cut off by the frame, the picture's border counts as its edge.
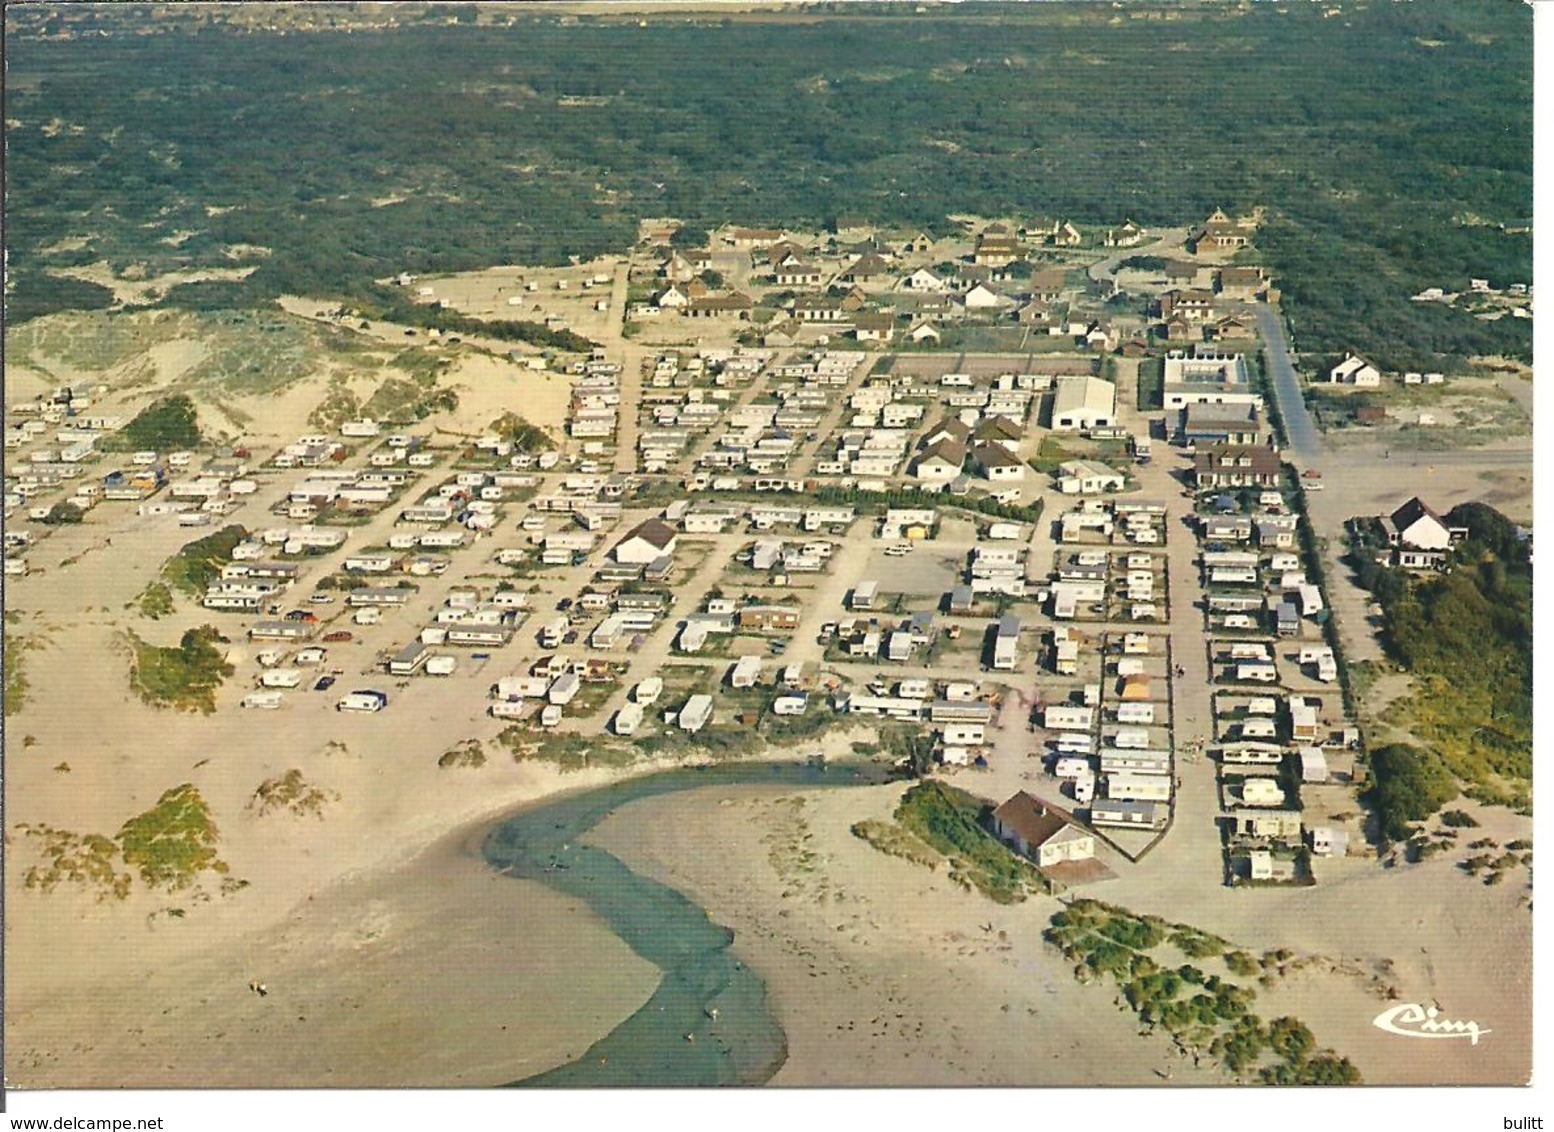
(173, 842)
(185, 677)
(1205, 1013)
(567, 752)
(890, 839)
(155, 601)
(949, 821)
(167, 423)
(15, 677)
(291, 791)
(1459, 819)
(200, 562)
(468, 754)
(87, 859)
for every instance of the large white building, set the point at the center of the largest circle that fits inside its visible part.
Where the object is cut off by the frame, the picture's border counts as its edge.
(1084, 403)
(1207, 377)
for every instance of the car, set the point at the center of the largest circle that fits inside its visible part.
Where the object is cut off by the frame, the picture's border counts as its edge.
(570, 638)
(300, 615)
(897, 551)
(324, 684)
(339, 636)
(1311, 474)
(1314, 485)
(321, 599)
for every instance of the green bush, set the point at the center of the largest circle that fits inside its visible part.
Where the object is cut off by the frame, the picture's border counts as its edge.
(1411, 783)
(167, 423)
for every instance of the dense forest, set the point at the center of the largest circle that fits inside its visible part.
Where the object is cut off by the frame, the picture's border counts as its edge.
(1391, 148)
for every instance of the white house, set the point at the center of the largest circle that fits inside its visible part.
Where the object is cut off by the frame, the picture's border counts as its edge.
(1083, 477)
(645, 542)
(997, 463)
(981, 297)
(1041, 831)
(940, 462)
(1355, 370)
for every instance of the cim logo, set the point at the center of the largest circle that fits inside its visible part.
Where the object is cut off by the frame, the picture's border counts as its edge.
(1411, 1020)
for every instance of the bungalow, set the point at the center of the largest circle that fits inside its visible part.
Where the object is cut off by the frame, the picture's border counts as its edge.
(874, 327)
(1041, 832)
(950, 428)
(924, 280)
(1354, 370)
(1083, 477)
(922, 332)
(1194, 306)
(1218, 423)
(940, 461)
(1125, 235)
(645, 542)
(997, 463)
(982, 297)
(799, 275)
(865, 267)
(998, 429)
(1419, 536)
(819, 309)
(1241, 282)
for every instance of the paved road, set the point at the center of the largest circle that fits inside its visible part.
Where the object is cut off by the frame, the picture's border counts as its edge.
(1169, 239)
(1299, 429)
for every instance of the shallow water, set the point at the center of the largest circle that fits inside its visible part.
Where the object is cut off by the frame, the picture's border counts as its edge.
(672, 1041)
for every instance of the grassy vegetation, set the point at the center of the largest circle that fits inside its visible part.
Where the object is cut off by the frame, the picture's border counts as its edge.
(890, 839)
(155, 601)
(950, 821)
(1151, 384)
(87, 859)
(185, 677)
(470, 754)
(291, 792)
(200, 562)
(173, 842)
(1205, 1013)
(15, 677)
(1419, 176)
(567, 752)
(168, 847)
(1411, 784)
(165, 424)
(1466, 637)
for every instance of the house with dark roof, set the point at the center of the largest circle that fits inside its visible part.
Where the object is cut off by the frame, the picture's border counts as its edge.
(646, 542)
(1420, 538)
(1218, 233)
(1041, 831)
(940, 461)
(950, 428)
(1000, 430)
(868, 266)
(1237, 465)
(996, 462)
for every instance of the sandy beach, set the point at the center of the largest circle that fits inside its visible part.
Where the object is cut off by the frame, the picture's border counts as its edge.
(884, 973)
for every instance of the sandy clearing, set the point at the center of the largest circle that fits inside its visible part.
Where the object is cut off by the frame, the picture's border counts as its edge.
(881, 972)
